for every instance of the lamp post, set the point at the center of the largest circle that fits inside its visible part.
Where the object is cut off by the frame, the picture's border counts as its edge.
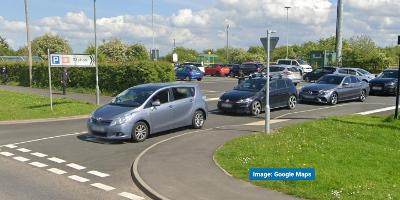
(95, 46)
(28, 41)
(339, 42)
(287, 31)
(396, 114)
(227, 43)
(267, 106)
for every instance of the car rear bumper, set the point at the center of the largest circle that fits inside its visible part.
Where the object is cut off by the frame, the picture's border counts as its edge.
(383, 91)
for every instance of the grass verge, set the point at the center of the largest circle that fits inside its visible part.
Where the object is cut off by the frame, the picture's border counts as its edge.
(355, 157)
(18, 106)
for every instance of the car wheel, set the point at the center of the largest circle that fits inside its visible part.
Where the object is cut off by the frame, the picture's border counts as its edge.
(198, 119)
(333, 99)
(363, 96)
(292, 102)
(255, 108)
(140, 132)
(199, 79)
(306, 79)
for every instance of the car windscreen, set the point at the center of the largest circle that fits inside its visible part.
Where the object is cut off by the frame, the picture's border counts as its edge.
(133, 97)
(302, 62)
(275, 69)
(284, 62)
(253, 85)
(335, 80)
(363, 71)
(389, 74)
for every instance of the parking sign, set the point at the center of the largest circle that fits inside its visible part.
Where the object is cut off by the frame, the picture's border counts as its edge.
(55, 60)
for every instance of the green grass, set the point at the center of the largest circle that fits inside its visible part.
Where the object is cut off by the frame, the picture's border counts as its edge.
(17, 106)
(355, 157)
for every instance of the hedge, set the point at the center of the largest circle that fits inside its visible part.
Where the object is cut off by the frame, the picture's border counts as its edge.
(113, 78)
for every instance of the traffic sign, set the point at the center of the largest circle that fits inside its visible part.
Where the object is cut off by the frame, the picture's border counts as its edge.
(75, 60)
(274, 42)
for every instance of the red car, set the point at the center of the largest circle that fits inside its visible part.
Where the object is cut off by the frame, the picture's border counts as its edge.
(217, 70)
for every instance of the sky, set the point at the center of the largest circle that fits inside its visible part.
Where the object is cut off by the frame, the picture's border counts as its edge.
(198, 24)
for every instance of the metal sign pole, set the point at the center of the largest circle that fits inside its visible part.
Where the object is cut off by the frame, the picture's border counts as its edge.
(396, 114)
(267, 106)
(50, 89)
(96, 65)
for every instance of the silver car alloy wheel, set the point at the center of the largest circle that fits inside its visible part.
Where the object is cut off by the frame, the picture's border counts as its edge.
(292, 102)
(256, 108)
(199, 119)
(141, 132)
(334, 99)
(362, 96)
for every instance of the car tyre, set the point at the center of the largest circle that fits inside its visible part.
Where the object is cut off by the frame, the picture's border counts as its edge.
(199, 79)
(292, 102)
(256, 108)
(334, 99)
(198, 119)
(140, 132)
(363, 96)
(306, 79)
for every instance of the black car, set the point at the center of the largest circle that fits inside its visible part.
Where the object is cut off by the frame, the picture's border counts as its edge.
(318, 73)
(249, 68)
(234, 69)
(385, 83)
(249, 96)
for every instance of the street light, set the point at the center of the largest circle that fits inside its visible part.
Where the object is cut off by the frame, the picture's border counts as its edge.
(287, 31)
(339, 42)
(227, 43)
(396, 113)
(267, 106)
(28, 40)
(95, 46)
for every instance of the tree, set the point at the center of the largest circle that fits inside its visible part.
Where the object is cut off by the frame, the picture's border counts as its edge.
(184, 55)
(53, 42)
(114, 50)
(137, 52)
(5, 49)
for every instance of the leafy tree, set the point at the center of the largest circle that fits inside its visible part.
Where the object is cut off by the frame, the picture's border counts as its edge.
(137, 52)
(184, 55)
(5, 49)
(53, 42)
(114, 50)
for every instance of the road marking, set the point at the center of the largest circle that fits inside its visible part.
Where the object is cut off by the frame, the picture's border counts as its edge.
(23, 150)
(377, 110)
(76, 166)
(46, 138)
(21, 159)
(38, 164)
(56, 160)
(11, 146)
(78, 178)
(103, 187)
(40, 155)
(316, 109)
(99, 174)
(210, 91)
(212, 99)
(7, 154)
(259, 123)
(57, 171)
(130, 196)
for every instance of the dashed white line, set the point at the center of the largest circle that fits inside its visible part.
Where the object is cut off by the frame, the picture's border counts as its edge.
(46, 138)
(130, 196)
(38, 164)
(57, 171)
(23, 150)
(99, 174)
(76, 166)
(103, 187)
(21, 159)
(7, 154)
(377, 110)
(78, 178)
(56, 160)
(11, 146)
(40, 155)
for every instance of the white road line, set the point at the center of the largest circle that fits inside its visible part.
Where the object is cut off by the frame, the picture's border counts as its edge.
(78, 178)
(210, 91)
(38, 164)
(130, 196)
(57, 171)
(40, 155)
(377, 110)
(103, 187)
(7, 154)
(21, 159)
(212, 99)
(56, 160)
(11, 146)
(47, 138)
(262, 123)
(23, 150)
(99, 174)
(76, 166)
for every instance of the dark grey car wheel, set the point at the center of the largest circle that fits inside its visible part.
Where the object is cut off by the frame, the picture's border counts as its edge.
(198, 119)
(140, 132)
(256, 108)
(333, 99)
(363, 96)
(292, 102)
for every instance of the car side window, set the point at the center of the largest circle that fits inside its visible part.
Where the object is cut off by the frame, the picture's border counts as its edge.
(352, 72)
(347, 80)
(162, 96)
(281, 84)
(354, 79)
(182, 92)
(318, 71)
(343, 71)
(273, 85)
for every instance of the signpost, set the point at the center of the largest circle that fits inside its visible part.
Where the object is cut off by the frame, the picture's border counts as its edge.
(396, 114)
(269, 44)
(69, 60)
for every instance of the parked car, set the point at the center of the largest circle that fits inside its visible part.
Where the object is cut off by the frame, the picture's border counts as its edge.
(385, 83)
(318, 73)
(217, 70)
(334, 88)
(189, 72)
(280, 71)
(249, 96)
(198, 65)
(300, 64)
(233, 69)
(360, 73)
(146, 109)
(248, 68)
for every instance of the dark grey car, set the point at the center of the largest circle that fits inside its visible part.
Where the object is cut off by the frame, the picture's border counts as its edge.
(332, 89)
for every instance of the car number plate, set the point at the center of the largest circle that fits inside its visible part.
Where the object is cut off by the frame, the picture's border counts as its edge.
(226, 105)
(377, 88)
(98, 128)
(307, 97)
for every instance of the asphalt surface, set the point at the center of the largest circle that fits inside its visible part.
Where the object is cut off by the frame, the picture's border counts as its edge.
(180, 168)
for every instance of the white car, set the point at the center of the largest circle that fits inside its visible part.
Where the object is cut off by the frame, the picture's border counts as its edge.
(300, 64)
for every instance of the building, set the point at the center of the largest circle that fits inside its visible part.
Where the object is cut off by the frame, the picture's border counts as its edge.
(322, 58)
(207, 59)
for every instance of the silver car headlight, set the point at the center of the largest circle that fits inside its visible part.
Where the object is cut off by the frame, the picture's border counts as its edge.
(121, 120)
(248, 100)
(325, 92)
(390, 84)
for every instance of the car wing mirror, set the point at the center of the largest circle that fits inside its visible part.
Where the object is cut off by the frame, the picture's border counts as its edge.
(156, 103)
(346, 84)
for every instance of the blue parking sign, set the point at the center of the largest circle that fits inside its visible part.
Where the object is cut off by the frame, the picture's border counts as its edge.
(55, 60)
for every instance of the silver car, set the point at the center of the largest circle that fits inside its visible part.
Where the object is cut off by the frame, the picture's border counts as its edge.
(281, 71)
(146, 109)
(360, 73)
(334, 88)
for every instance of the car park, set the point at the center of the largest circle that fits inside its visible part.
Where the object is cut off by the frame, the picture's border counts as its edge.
(360, 73)
(385, 83)
(146, 109)
(250, 67)
(300, 64)
(334, 88)
(280, 71)
(233, 69)
(249, 96)
(217, 70)
(189, 72)
(318, 73)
